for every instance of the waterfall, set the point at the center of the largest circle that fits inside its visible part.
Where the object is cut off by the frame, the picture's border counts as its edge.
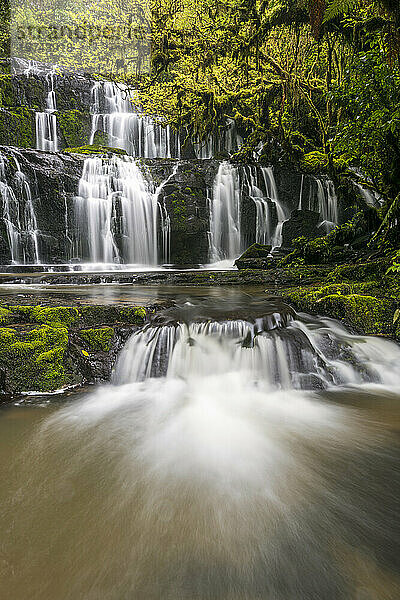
(370, 197)
(277, 351)
(225, 205)
(226, 140)
(263, 208)
(165, 220)
(19, 214)
(115, 213)
(126, 126)
(46, 122)
(282, 212)
(322, 198)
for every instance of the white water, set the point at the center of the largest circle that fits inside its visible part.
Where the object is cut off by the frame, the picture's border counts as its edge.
(115, 214)
(225, 226)
(322, 198)
(126, 126)
(300, 356)
(226, 140)
(18, 214)
(46, 122)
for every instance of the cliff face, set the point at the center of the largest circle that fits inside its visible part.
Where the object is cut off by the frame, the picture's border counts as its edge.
(38, 192)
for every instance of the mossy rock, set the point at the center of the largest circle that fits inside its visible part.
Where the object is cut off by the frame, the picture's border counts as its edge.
(88, 149)
(59, 316)
(98, 340)
(6, 316)
(360, 271)
(257, 256)
(367, 313)
(351, 303)
(17, 127)
(108, 315)
(74, 126)
(34, 360)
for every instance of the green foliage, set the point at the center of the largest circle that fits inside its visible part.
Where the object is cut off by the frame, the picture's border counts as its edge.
(330, 248)
(336, 8)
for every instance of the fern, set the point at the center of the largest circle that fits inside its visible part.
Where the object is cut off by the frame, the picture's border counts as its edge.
(338, 7)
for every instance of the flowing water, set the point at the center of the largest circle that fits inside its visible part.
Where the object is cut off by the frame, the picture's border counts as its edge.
(116, 213)
(126, 126)
(18, 212)
(225, 218)
(46, 122)
(241, 452)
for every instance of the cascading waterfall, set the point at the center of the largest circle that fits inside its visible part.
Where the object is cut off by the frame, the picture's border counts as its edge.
(46, 122)
(225, 203)
(282, 212)
(321, 198)
(235, 459)
(370, 197)
(277, 351)
(126, 126)
(263, 207)
(115, 214)
(227, 140)
(19, 214)
(165, 221)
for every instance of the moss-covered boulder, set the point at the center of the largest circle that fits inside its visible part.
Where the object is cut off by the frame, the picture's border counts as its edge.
(33, 360)
(98, 340)
(257, 256)
(357, 304)
(46, 348)
(94, 149)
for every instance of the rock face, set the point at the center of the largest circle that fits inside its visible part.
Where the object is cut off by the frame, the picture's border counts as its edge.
(183, 190)
(301, 223)
(185, 197)
(256, 257)
(53, 182)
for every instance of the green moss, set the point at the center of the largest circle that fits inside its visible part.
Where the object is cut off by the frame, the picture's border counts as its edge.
(73, 125)
(17, 127)
(99, 315)
(6, 316)
(367, 313)
(59, 316)
(359, 271)
(351, 303)
(34, 359)
(316, 161)
(95, 150)
(98, 339)
(179, 209)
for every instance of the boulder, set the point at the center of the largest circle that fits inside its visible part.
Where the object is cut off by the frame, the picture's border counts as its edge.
(257, 256)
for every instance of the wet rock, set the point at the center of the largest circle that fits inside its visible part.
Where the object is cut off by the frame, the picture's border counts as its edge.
(258, 256)
(301, 223)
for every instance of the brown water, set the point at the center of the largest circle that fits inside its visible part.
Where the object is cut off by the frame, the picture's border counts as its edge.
(215, 481)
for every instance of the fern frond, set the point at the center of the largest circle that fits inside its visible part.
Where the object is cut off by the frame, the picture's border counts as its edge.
(336, 8)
